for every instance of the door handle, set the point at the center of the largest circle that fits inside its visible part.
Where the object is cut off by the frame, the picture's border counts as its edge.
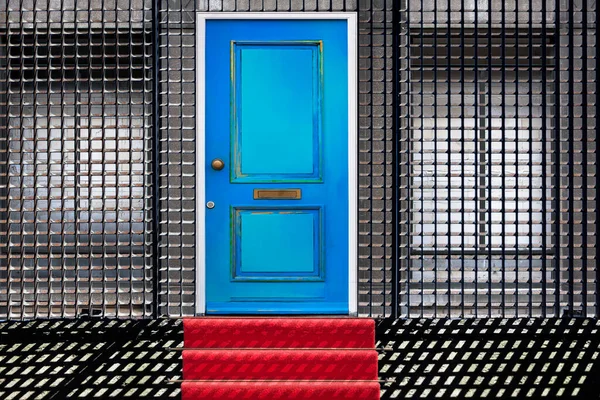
(217, 164)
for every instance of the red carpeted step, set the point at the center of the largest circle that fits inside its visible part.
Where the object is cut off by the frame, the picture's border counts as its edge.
(280, 390)
(280, 364)
(279, 333)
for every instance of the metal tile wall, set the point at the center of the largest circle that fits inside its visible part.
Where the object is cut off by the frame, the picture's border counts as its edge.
(497, 120)
(76, 112)
(495, 179)
(177, 145)
(75, 134)
(177, 157)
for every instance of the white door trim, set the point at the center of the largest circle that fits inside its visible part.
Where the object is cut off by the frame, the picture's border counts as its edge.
(352, 142)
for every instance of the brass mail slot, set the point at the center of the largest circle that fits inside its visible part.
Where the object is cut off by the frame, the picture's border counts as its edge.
(277, 194)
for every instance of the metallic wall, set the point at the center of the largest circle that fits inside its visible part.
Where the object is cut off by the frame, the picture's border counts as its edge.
(75, 161)
(177, 158)
(76, 153)
(495, 121)
(498, 158)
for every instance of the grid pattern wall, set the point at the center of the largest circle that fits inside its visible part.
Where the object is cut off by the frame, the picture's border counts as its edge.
(75, 161)
(177, 285)
(177, 158)
(497, 120)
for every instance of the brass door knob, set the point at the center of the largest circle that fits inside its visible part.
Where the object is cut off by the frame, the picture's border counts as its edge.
(217, 164)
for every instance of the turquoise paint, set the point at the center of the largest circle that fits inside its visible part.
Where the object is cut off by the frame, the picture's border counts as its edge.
(277, 243)
(278, 135)
(259, 252)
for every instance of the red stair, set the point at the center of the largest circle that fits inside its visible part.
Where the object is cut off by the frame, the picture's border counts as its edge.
(280, 390)
(279, 358)
(255, 333)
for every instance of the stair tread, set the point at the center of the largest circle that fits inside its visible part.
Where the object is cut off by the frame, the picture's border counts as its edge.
(279, 333)
(280, 390)
(280, 364)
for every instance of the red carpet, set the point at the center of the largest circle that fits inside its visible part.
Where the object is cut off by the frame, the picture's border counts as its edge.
(333, 333)
(279, 358)
(279, 390)
(315, 365)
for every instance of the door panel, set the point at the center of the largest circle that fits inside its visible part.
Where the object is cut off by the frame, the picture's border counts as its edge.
(278, 137)
(277, 244)
(277, 115)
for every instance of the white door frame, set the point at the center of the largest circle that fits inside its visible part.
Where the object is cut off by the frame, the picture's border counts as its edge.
(352, 142)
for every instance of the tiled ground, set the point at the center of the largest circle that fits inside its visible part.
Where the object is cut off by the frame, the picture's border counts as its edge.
(490, 358)
(90, 359)
(424, 359)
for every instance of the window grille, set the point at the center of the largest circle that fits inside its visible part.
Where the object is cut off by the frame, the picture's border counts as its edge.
(496, 120)
(75, 161)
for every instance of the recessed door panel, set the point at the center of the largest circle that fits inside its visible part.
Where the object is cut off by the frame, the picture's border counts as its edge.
(277, 112)
(274, 244)
(277, 117)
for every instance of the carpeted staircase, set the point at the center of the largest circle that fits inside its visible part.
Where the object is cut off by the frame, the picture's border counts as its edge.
(279, 358)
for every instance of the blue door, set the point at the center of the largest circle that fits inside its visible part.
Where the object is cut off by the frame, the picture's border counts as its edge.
(276, 143)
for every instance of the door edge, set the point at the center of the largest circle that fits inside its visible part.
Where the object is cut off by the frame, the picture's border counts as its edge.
(352, 37)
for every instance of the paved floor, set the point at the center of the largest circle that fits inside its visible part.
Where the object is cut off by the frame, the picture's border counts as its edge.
(490, 358)
(90, 359)
(423, 359)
